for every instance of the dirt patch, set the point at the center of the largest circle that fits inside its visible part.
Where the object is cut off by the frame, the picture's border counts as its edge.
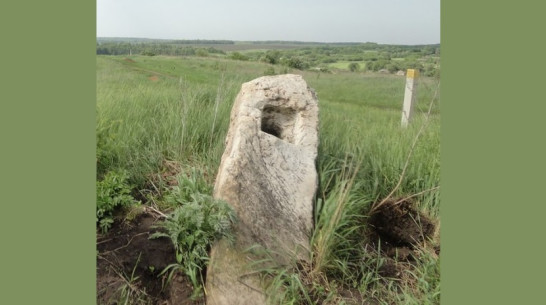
(129, 60)
(154, 78)
(401, 225)
(398, 234)
(129, 264)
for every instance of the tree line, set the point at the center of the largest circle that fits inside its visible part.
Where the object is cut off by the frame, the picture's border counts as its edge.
(362, 56)
(151, 49)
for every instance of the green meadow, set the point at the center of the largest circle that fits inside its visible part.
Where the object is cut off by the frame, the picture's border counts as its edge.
(164, 118)
(344, 65)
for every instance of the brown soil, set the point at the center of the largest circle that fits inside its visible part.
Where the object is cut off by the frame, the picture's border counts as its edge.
(129, 60)
(401, 225)
(125, 248)
(398, 233)
(154, 78)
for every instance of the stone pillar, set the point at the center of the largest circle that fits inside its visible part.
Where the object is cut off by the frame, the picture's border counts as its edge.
(409, 96)
(268, 175)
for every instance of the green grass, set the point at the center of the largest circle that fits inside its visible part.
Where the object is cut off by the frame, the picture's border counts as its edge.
(370, 90)
(145, 116)
(153, 110)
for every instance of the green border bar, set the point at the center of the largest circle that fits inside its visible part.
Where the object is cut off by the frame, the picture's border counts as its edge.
(492, 153)
(47, 118)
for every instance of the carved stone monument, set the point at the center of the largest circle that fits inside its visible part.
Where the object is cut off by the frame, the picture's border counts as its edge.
(268, 175)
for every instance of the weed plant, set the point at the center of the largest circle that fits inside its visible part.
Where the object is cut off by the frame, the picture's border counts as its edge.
(113, 192)
(197, 222)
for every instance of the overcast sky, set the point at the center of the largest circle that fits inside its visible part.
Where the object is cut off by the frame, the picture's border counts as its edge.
(380, 21)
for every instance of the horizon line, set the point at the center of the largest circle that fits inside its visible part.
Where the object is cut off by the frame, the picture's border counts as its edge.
(268, 40)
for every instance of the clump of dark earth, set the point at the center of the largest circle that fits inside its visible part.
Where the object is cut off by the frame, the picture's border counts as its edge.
(397, 232)
(125, 249)
(401, 225)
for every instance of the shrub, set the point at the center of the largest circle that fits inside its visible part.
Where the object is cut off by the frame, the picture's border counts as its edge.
(192, 228)
(297, 63)
(202, 53)
(238, 56)
(112, 192)
(272, 57)
(354, 67)
(194, 225)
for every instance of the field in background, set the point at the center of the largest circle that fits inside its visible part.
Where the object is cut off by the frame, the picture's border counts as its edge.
(160, 118)
(298, 55)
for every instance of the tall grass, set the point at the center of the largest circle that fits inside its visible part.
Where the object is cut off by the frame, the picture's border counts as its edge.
(142, 121)
(153, 109)
(362, 160)
(374, 137)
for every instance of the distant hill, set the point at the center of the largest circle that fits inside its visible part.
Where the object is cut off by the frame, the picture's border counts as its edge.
(172, 41)
(245, 42)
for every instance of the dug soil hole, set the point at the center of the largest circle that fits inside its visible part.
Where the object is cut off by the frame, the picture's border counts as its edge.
(129, 266)
(398, 233)
(400, 224)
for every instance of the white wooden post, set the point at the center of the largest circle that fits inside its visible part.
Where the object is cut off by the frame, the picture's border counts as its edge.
(409, 96)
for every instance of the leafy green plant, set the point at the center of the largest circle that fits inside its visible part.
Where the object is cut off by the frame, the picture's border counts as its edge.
(192, 228)
(112, 192)
(188, 186)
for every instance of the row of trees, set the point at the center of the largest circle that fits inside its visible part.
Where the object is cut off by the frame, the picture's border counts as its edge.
(367, 61)
(125, 48)
(426, 68)
(363, 57)
(273, 57)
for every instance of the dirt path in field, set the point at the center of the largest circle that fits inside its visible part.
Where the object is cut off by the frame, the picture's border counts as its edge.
(154, 74)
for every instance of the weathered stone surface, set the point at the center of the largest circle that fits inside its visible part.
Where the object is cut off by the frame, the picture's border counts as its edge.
(268, 175)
